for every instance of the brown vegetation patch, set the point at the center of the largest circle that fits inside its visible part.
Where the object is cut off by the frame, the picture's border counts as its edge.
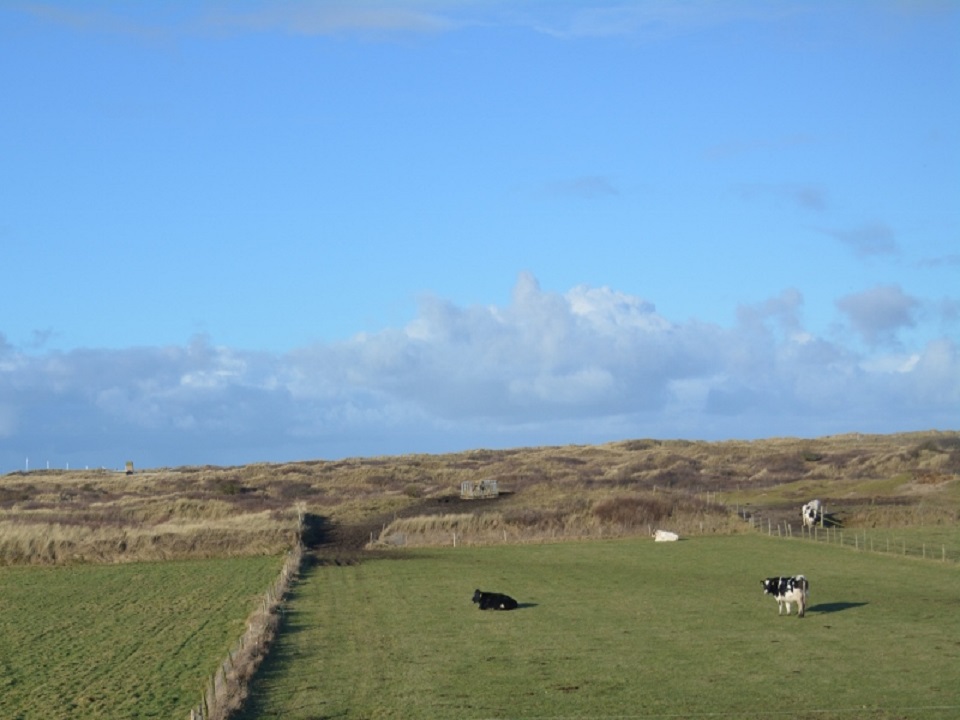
(572, 491)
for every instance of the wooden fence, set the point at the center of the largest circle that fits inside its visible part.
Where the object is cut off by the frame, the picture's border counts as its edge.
(227, 687)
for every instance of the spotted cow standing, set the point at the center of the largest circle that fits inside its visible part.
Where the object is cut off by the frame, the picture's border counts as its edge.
(812, 513)
(494, 601)
(788, 590)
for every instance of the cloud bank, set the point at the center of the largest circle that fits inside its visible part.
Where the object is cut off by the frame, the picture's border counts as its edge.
(589, 365)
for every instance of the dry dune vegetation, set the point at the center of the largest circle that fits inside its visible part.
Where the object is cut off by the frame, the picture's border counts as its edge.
(617, 489)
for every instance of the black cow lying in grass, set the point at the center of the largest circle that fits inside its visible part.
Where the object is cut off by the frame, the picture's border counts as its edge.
(494, 601)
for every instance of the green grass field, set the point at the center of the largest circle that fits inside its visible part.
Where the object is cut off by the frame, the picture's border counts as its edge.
(120, 641)
(619, 629)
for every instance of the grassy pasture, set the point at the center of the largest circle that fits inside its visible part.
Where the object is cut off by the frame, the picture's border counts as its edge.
(933, 542)
(136, 640)
(619, 629)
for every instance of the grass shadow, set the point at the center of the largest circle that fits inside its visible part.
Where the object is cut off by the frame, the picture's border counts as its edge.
(835, 607)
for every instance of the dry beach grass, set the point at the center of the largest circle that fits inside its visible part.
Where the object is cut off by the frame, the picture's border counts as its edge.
(617, 489)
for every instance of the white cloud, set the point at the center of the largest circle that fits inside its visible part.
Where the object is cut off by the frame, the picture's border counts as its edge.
(588, 365)
(877, 314)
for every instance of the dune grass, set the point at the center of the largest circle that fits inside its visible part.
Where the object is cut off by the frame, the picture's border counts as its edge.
(619, 488)
(136, 640)
(625, 629)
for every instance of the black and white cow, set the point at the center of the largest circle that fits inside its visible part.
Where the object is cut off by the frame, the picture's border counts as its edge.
(788, 590)
(494, 601)
(812, 513)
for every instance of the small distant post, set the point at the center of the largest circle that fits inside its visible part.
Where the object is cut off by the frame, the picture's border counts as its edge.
(129, 467)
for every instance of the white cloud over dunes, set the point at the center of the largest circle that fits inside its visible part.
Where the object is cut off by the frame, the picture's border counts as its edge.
(877, 314)
(588, 365)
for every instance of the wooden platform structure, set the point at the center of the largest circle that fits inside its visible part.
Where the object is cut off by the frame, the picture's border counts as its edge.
(482, 490)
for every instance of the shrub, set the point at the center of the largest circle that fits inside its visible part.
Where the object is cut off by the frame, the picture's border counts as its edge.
(633, 511)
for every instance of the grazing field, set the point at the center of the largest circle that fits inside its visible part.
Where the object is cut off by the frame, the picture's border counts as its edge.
(135, 640)
(619, 629)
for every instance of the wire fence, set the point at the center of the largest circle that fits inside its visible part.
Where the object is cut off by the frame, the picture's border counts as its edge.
(921, 543)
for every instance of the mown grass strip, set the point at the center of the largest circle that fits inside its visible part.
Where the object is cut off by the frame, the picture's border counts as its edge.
(625, 628)
(120, 641)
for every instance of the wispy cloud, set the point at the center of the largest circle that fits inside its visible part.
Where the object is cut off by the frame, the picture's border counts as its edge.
(651, 20)
(591, 364)
(807, 196)
(330, 18)
(295, 18)
(96, 20)
(866, 241)
(619, 19)
(645, 21)
(737, 147)
(951, 260)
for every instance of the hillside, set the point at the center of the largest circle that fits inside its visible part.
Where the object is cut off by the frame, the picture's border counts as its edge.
(619, 488)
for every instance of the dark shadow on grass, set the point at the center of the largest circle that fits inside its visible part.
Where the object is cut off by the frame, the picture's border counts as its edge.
(524, 606)
(835, 607)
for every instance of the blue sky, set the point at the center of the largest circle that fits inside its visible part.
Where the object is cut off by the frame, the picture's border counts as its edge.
(238, 232)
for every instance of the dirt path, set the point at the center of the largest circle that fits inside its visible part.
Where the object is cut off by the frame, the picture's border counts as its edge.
(332, 543)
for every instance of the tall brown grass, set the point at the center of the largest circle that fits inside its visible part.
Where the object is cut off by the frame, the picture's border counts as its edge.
(613, 516)
(622, 487)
